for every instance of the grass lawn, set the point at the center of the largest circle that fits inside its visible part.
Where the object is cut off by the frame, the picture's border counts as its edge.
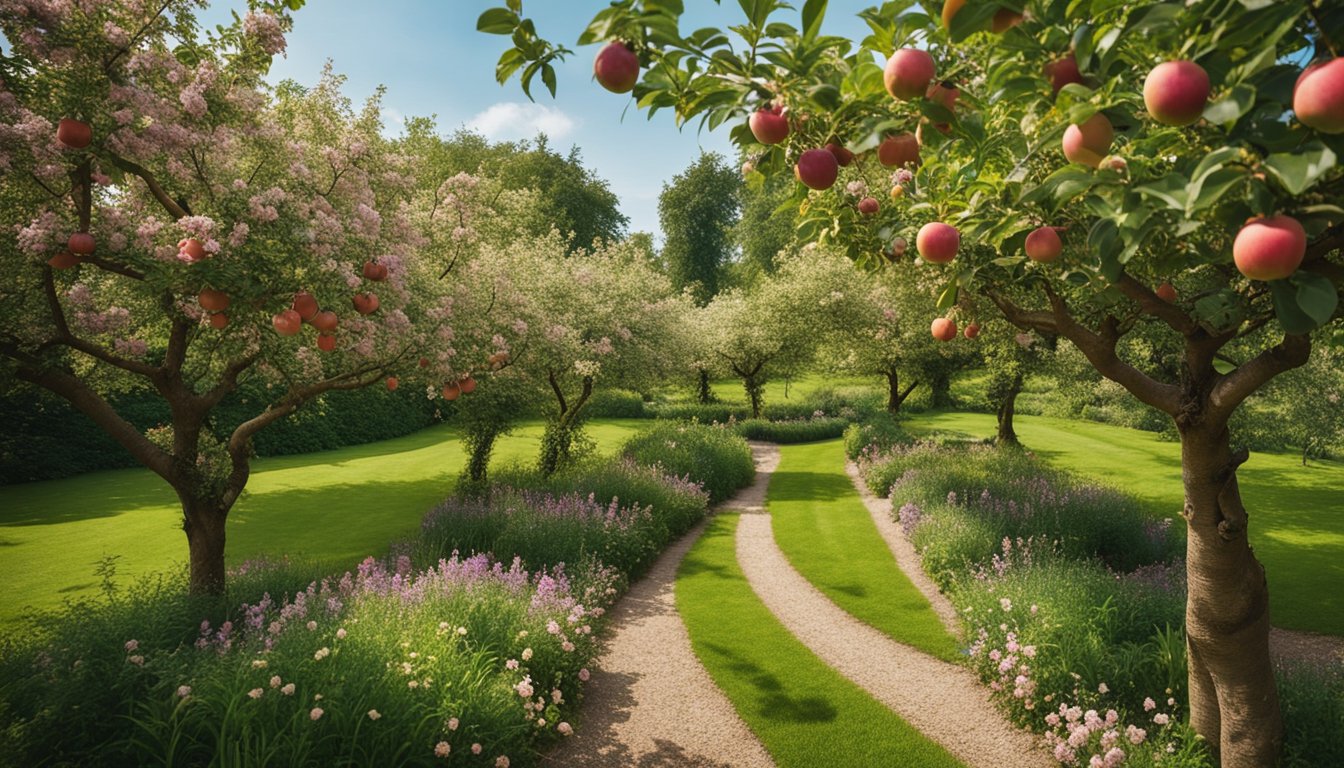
(804, 712)
(797, 388)
(1297, 513)
(826, 532)
(336, 507)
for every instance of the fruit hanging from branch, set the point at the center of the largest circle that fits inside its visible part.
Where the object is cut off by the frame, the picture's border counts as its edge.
(817, 168)
(1090, 141)
(1270, 248)
(943, 329)
(1176, 92)
(287, 323)
(74, 134)
(769, 125)
(937, 242)
(616, 67)
(1318, 96)
(908, 73)
(1043, 245)
(81, 244)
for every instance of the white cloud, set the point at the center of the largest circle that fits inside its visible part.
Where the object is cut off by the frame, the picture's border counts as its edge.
(511, 120)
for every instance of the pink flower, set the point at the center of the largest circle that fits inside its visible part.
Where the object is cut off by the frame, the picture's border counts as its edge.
(1161, 718)
(131, 645)
(552, 627)
(256, 693)
(502, 761)
(584, 674)
(374, 714)
(275, 681)
(511, 664)
(1103, 688)
(1135, 734)
(567, 647)
(475, 749)
(288, 690)
(442, 749)
(1149, 705)
(183, 691)
(452, 723)
(340, 633)
(527, 653)
(564, 729)
(524, 688)
(312, 625)
(315, 714)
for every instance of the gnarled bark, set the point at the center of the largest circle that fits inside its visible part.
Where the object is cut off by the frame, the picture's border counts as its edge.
(895, 395)
(1007, 407)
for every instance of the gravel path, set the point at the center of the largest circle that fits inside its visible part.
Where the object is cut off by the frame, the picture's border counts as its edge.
(943, 701)
(649, 702)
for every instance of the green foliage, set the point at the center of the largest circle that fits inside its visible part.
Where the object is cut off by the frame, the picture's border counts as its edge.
(1313, 714)
(791, 430)
(617, 404)
(713, 456)
(697, 211)
(877, 434)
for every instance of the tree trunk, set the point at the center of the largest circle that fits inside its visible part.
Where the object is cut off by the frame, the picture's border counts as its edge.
(1007, 407)
(1234, 703)
(482, 445)
(203, 522)
(755, 394)
(895, 397)
(941, 391)
(704, 394)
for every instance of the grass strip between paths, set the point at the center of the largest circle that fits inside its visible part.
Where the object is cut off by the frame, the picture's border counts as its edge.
(825, 531)
(803, 711)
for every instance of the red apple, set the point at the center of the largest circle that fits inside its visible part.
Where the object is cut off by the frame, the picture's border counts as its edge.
(212, 300)
(1167, 293)
(972, 330)
(191, 248)
(219, 320)
(616, 67)
(1176, 92)
(937, 242)
(451, 391)
(1090, 142)
(899, 246)
(467, 385)
(63, 260)
(944, 93)
(375, 271)
(817, 168)
(326, 342)
(305, 305)
(899, 150)
(365, 303)
(1004, 20)
(424, 362)
(392, 383)
(768, 125)
(1062, 72)
(908, 73)
(1318, 97)
(74, 133)
(1044, 245)
(943, 329)
(325, 321)
(81, 243)
(287, 323)
(842, 156)
(868, 206)
(1270, 248)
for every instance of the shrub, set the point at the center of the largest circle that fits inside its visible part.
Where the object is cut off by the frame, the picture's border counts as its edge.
(791, 431)
(1312, 695)
(705, 413)
(875, 435)
(715, 457)
(617, 404)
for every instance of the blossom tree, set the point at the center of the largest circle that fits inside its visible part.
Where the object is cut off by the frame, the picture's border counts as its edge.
(176, 227)
(1102, 157)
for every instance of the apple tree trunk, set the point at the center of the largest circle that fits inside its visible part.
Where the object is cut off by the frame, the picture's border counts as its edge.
(895, 395)
(203, 521)
(1234, 703)
(703, 393)
(1007, 409)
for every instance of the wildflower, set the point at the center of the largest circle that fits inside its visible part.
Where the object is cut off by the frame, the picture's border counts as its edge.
(476, 749)
(183, 691)
(1029, 651)
(567, 647)
(541, 722)
(413, 684)
(288, 690)
(131, 645)
(1103, 688)
(502, 761)
(557, 696)
(373, 714)
(136, 660)
(1034, 609)
(552, 627)
(442, 749)
(256, 692)
(315, 714)
(1149, 705)
(1135, 734)
(527, 654)
(312, 625)
(584, 674)
(322, 653)
(317, 697)
(511, 664)
(275, 681)
(443, 625)
(1114, 757)
(524, 688)
(452, 723)
(258, 663)
(1005, 604)
(1161, 718)
(340, 633)
(461, 631)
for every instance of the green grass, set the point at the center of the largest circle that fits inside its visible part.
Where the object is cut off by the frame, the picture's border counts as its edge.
(804, 712)
(334, 507)
(781, 390)
(826, 532)
(1297, 513)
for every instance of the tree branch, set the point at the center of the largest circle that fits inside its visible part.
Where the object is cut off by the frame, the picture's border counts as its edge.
(111, 266)
(228, 381)
(1149, 302)
(1231, 390)
(559, 394)
(65, 337)
(155, 189)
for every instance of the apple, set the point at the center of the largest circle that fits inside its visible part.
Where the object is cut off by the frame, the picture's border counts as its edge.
(1318, 96)
(898, 151)
(1062, 72)
(219, 320)
(868, 206)
(943, 329)
(325, 341)
(392, 383)
(1090, 142)
(616, 67)
(305, 305)
(937, 242)
(768, 125)
(945, 93)
(899, 246)
(424, 362)
(212, 300)
(1167, 293)
(972, 330)
(1176, 92)
(1004, 18)
(467, 385)
(451, 391)
(375, 271)
(190, 249)
(1044, 245)
(1270, 247)
(325, 321)
(81, 243)
(287, 323)
(817, 168)
(74, 133)
(365, 303)
(63, 260)
(897, 192)
(842, 156)
(908, 73)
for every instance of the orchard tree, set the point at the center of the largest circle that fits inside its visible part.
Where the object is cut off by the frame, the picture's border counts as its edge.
(172, 226)
(1084, 153)
(1010, 358)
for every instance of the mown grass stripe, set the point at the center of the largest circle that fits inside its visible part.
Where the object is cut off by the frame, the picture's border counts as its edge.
(804, 712)
(825, 531)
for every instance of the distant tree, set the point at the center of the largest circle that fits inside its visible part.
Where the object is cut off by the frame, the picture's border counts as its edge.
(765, 228)
(697, 211)
(571, 196)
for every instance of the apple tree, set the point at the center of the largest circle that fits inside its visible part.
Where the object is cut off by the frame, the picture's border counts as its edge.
(1068, 158)
(173, 226)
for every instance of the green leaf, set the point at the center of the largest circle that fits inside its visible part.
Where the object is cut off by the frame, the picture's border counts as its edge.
(948, 298)
(1291, 318)
(497, 21)
(548, 77)
(1297, 171)
(1228, 110)
(813, 12)
(1170, 189)
(1316, 296)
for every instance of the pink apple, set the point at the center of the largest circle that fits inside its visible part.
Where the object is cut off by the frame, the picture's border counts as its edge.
(467, 385)
(219, 320)
(842, 156)
(81, 243)
(972, 330)
(451, 391)
(1063, 72)
(305, 305)
(1270, 247)
(212, 300)
(1044, 245)
(937, 242)
(616, 67)
(1318, 97)
(768, 125)
(74, 134)
(365, 303)
(868, 206)
(898, 151)
(817, 168)
(1090, 142)
(1176, 92)
(325, 321)
(908, 73)
(190, 249)
(943, 329)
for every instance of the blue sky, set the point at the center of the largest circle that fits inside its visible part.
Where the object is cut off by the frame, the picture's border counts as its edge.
(433, 62)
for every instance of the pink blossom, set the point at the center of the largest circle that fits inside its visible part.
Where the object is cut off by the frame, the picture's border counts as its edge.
(1161, 718)
(564, 729)
(183, 691)
(374, 714)
(452, 723)
(502, 761)
(316, 713)
(476, 749)
(256, 693)
(131, 645)
(442, 749)
(584, 674)
(288, 690)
